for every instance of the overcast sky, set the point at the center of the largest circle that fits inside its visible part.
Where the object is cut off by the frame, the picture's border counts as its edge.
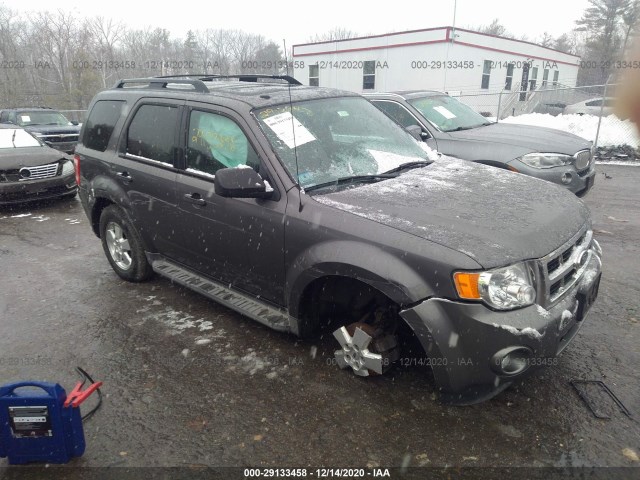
(296, 21)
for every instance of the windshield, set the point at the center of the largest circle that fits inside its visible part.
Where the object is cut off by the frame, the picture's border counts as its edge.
(337, 138)
(42, 118)
(447, 113)
(17, 138)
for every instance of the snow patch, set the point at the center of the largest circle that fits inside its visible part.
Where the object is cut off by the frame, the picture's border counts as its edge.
(200, 172)
(527, 331)
(543, 311)
(613, 131)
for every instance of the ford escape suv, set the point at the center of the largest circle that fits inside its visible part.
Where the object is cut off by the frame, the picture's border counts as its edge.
(308, 209)
(454, 129)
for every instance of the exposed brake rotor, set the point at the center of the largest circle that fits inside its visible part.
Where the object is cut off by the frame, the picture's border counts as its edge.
(366, 349)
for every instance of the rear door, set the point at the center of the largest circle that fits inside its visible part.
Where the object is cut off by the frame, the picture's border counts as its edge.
(239, 242)
(145, 169)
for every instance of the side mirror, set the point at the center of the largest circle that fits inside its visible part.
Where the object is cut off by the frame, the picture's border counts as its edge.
(416, 132)
(240, 183)
(73, 122)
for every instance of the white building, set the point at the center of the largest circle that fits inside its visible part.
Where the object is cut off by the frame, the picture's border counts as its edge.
(474, 65)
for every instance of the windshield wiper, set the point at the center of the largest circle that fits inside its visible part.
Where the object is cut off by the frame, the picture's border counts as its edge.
(457, 129)
(410, 165)
(347, 180)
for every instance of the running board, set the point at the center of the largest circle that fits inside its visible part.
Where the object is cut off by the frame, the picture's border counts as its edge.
(241, 303)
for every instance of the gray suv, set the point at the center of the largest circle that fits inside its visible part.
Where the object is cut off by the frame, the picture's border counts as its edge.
(454, 129)
(308, 210)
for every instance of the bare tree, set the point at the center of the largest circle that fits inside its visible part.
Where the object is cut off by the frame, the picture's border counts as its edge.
(336, 33)
(104, 35)
(631, 22)
(494, 28)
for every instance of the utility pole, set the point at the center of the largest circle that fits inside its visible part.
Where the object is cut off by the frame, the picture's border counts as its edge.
(452, 39)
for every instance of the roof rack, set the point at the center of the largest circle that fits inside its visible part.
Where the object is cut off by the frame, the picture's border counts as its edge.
(246, 77)
(162, 82)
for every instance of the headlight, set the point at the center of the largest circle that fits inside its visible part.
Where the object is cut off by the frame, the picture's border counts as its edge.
(67, 168)
(37, 134)
(546, 160)
(501, 288)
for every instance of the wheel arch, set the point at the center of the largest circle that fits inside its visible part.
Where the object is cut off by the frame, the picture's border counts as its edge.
(368, 265)
(104, 192)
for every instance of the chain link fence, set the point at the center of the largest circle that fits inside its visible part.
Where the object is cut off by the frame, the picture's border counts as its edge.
(586, 111)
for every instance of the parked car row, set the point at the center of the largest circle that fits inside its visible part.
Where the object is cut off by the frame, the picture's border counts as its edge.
(454, 129)
(444, 123)
(49, 125)
(31, 170)
(308, 209)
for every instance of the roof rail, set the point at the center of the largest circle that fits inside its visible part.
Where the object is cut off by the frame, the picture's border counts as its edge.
(162, 82)
(245, 77)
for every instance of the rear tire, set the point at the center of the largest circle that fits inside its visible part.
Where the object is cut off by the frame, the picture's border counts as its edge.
(123, 246)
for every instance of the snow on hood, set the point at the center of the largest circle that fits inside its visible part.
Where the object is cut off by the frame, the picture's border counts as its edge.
(536, 138)
(494, 216)
(613, 131)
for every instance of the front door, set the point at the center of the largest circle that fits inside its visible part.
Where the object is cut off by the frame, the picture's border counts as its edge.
(239, 242)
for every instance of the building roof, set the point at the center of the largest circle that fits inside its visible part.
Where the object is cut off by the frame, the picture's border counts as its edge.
(432, 36)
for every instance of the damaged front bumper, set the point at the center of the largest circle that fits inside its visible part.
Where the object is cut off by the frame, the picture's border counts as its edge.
(33, 190)
(476, 352)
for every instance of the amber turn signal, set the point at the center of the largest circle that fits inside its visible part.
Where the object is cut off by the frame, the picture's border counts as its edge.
(467, 285)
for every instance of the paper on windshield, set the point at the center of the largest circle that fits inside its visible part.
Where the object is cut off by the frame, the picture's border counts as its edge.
(283, 126)
(444, 112)
(25, 118)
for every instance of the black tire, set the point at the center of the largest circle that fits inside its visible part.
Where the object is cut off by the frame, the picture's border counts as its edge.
(131, 264)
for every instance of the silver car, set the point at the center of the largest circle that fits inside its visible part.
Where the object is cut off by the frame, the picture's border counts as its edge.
(593, 106)
(454, 129)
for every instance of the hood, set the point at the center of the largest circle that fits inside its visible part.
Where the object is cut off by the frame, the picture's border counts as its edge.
(494, 216)
(536, 139)
(16, 158)
(53, 129)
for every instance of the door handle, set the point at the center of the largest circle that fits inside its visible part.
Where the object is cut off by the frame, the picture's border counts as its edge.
(125, 176)
(195, 198)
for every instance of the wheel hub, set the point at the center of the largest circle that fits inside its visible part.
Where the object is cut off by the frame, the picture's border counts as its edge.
(365, 350)
(118, 245)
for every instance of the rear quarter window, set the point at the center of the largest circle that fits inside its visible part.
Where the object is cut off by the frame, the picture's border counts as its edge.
(101, 123)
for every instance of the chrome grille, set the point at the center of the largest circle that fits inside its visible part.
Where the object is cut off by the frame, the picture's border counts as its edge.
(583, 159)
(59, 137)
(564, 267)
(36, 173)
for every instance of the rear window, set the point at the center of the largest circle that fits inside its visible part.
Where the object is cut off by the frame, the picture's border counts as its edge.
(101, 123)
(152, 132)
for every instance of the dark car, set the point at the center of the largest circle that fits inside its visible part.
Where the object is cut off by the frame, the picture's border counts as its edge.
(30, 170)
(50, 126)
(454, 129)
(309, 210)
